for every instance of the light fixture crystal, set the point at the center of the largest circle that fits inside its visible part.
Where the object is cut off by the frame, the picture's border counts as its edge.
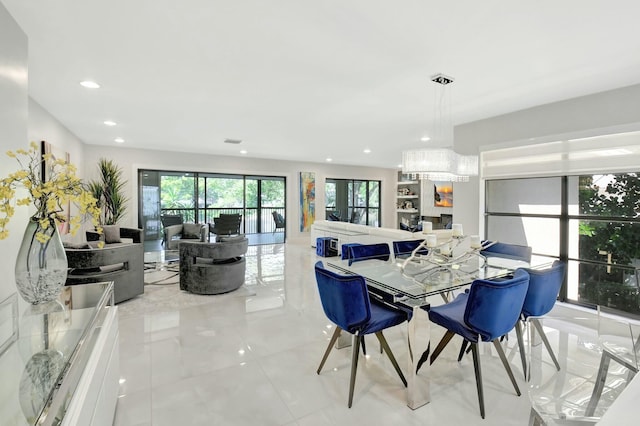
(440, 163)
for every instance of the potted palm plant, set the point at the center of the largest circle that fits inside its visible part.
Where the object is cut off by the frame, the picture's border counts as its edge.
(109, 191)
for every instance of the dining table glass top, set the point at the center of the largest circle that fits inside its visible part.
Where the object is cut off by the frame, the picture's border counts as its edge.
(420, 279)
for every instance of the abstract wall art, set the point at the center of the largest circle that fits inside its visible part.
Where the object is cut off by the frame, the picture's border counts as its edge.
(307, 200)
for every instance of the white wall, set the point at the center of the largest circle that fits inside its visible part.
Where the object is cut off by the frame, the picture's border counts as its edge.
(13, 132)
(131, 160)
(427, 195)
(586, 115)
(45, 127)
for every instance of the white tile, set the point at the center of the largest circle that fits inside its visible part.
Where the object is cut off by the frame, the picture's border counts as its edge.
(250, 357)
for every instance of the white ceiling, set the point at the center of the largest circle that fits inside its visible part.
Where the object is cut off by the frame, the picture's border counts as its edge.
(304, 80)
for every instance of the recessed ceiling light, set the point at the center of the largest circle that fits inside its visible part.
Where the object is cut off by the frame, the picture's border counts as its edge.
(367, 151)
(90, 84)
(425, 138)
(109, 123)
(329, 159)
(399, 166)
(118, 140)
(244, 151)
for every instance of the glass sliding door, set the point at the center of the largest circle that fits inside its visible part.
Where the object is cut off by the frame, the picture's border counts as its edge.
(149, 211)
(272, 199)
(201, 197)
(355, 201)
(223, 194)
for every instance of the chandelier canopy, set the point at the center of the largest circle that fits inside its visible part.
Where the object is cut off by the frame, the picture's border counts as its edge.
(440, 163)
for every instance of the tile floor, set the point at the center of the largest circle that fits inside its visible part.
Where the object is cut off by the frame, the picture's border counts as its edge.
(250, 358)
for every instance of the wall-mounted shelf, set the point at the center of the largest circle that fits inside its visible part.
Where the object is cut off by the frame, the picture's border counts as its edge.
(407, 201)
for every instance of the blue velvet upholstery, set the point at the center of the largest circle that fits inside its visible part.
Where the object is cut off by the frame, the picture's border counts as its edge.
(345, 301)
(544, 286)
(345, 250)
(488, 311)
(510, 251)
(405, 247)
(378, 251)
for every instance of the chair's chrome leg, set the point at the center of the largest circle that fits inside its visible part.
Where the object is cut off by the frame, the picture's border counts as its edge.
(355, 352)
(442, 344)
(597, 390)
(335, 336)
(478, 371)
(523, 357)
(364, 346)
(384, 345)
(543, 336)
(535, 419)
(507, 367)
(462, 349)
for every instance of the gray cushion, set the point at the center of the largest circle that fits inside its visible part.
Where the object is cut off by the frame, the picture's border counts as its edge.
(229, 239)
(111, 233)
(191, 230)
(76, 246)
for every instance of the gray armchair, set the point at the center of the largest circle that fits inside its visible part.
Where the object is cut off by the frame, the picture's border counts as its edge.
(213, 268)
(168, 220)
(121, 261)
(185, 231)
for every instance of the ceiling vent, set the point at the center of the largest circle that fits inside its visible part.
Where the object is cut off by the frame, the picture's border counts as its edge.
(233, 141)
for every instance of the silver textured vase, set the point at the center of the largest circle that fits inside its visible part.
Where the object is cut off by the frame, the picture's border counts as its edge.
(41, 266)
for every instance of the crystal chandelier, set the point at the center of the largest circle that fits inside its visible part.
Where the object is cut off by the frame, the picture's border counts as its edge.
(440, 164)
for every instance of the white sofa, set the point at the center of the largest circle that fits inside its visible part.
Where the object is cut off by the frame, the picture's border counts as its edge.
(346, 232)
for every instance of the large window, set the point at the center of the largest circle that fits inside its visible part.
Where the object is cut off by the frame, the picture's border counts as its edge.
(591, 221)
(200, 197)
(355, 201)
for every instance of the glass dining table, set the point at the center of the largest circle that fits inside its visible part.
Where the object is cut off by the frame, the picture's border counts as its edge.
(407, 285)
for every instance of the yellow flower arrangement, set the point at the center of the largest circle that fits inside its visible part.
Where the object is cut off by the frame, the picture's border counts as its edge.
(61, 187)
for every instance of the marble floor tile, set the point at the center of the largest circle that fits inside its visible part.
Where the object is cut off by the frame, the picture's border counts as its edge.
(250, 357)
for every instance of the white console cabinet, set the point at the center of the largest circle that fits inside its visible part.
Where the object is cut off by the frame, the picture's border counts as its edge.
(59, 362)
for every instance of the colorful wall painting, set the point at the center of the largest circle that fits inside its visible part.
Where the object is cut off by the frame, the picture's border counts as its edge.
(307, 200)
(443, 194)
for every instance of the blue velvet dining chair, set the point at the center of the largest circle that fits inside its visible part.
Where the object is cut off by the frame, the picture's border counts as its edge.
(406, 247)
(488, 311)
(510, 251)
(544, 286)
(379, 251)
(504, 250)
(346, 303)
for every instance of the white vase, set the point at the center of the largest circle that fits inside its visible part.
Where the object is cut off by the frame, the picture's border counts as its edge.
(41, 267)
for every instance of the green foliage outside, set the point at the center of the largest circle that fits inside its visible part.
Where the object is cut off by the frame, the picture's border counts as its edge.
(612, 241)
(179, 192)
